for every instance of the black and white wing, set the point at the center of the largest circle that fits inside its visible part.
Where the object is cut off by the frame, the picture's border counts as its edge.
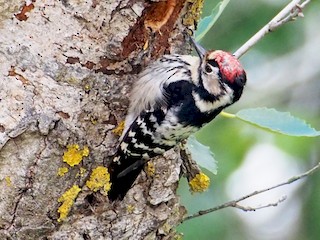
(150, 122)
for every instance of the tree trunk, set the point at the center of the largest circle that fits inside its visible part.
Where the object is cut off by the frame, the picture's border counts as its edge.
(66, 68)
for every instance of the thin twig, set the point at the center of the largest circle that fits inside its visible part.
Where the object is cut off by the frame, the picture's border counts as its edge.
(235, 204)
(250, 209)
(289, 13)
(189, 166)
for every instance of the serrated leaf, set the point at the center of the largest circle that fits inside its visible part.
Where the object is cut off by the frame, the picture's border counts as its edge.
(279, 122)
(207, 22)
(201, 154)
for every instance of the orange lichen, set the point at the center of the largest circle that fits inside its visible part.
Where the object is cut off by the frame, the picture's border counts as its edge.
(12, 73)
(99, 180)
(159, 14)
(146, 45)
(21, 16)
(67, 200)
(73, 156)
(199, 183)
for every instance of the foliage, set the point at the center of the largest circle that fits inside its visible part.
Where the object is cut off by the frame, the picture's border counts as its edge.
(231, 140)
(206, 23)
(201, 154)
(277, 122)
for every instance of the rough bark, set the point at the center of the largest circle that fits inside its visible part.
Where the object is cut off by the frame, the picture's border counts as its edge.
(66, 68)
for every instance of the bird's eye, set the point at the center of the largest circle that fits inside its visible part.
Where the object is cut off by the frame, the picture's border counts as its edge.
(208, 68)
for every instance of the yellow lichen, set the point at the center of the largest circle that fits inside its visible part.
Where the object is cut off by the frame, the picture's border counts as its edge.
(150, 169)
(94, 120)
(130, 208)
(193, 12)
(87, 87)
(8, 181)
(62, 171)
(99, 180)
(85, 151)
(199, 183)
(178, 236)
(73, 156)
(165, 228)
(119, 129)
(81, 172)
(67, 200)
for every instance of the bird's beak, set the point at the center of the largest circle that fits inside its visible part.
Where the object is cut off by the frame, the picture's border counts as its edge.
(200, 50)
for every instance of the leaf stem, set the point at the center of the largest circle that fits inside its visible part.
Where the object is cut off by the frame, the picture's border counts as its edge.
(227, 115)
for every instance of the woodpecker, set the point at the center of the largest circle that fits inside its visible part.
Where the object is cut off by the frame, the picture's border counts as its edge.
(174, 97)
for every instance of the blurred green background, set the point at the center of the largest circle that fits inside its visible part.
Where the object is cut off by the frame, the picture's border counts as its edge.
(283, 72)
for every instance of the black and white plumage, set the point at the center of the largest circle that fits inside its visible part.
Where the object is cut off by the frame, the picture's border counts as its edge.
(174, 97)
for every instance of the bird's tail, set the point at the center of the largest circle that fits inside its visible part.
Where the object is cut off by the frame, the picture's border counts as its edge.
(123, 173)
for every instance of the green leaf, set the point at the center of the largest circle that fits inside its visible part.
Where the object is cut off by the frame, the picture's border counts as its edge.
(201, 154)
(206, 23)
(279, 122)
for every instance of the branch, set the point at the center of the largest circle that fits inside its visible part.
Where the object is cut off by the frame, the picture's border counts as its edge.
(235, 203)
(251, 209)
(189, 166)
(289, 13)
